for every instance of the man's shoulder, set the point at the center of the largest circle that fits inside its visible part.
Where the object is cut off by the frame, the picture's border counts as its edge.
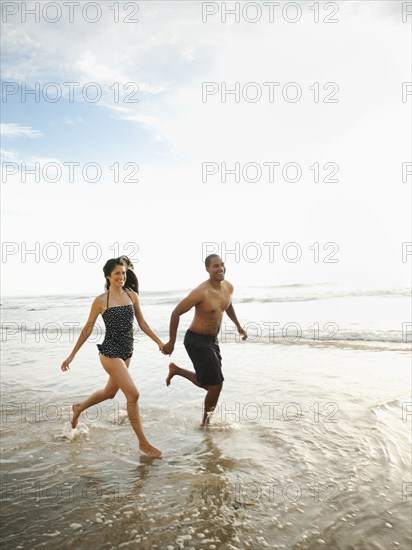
(229, 286)
(202, 287)
(197, 290)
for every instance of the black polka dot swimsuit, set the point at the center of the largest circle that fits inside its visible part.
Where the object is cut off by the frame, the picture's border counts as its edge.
(118, 341)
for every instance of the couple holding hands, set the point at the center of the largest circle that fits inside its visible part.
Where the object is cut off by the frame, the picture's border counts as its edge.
(120, 304)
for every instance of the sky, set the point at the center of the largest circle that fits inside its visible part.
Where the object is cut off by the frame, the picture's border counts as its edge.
(277, 136)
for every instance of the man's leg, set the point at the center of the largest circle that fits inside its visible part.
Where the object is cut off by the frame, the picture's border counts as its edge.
(211, 400)
(212, 395)
(190, 375)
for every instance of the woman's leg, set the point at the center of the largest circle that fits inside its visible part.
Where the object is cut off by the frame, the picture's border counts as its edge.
(118, 372)
(109, 392)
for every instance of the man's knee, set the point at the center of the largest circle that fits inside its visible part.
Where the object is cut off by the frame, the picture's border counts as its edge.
(214, 390)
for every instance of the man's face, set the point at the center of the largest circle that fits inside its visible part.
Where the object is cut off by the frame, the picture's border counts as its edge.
(216, 269)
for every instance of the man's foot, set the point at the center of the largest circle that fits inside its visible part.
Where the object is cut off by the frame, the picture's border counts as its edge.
(150, 450)
(172, 371)
(76, 413)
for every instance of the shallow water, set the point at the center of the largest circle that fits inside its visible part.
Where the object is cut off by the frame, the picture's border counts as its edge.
(309, 448)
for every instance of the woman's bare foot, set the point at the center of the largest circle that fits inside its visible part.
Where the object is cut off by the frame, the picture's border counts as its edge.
(76, 413)
(150, 450)
(172, 371)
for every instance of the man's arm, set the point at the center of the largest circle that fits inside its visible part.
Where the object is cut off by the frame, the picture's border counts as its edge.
(193, 299)
(232, 316)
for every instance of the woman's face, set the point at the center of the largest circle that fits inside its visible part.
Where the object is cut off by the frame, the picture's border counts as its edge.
(117, 277)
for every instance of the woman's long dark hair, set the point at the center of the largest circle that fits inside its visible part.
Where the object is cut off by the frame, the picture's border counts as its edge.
(131, 280)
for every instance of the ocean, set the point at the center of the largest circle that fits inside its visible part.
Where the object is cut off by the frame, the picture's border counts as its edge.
(309, 448)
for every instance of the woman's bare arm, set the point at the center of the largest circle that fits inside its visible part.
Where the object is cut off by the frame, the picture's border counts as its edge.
(85, 333)
(141, 321)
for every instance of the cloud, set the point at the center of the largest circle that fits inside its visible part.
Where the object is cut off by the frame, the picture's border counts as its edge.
(188, 53)
(15, 130)
(169, 54)
(74, 121)
(383, 8)
(152, 54)
(9, 155)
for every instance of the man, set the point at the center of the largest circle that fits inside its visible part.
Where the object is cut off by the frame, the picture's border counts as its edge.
(210, 300)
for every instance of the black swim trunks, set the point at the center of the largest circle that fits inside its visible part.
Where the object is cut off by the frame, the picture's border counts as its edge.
(203, 350)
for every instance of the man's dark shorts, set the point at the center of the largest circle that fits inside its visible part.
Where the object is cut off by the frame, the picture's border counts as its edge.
(203, 350)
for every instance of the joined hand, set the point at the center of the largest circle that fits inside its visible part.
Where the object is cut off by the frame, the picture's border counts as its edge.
(168, 348)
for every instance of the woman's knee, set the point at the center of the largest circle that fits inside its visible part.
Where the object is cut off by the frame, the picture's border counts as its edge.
(132, 396)
(111, 394)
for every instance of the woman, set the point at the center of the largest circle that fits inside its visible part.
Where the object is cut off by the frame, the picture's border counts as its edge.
(118, 306)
